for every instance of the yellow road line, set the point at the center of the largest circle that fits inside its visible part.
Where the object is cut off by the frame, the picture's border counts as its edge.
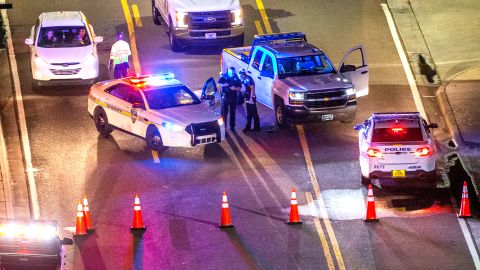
(156, 159)
(261, 9)
(318, 195)
(131, 34)
(259, 27)
(136, 15)
(321, 234)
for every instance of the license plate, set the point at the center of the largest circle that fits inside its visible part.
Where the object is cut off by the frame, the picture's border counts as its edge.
(327, 117)
(210, 35)
(398, 173)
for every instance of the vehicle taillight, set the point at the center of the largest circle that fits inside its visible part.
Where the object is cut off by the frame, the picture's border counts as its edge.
(397, 129)
(422, 152)
(372, 152)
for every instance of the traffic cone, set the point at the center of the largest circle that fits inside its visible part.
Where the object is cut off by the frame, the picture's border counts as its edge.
(371, 214)
(294, 216)
(465, 205)
(226, 221)
(86, 214)
(80, 226)
(137, 216)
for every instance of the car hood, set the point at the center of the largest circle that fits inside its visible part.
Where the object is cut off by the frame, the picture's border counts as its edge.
(64, 55)
(205, 5)
(316, 82)
(186, 115)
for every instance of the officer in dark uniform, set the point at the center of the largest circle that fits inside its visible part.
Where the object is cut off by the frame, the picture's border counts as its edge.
(231, 86)
(251, 102)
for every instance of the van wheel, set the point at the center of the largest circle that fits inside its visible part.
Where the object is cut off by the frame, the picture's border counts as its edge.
(155, 14)
(174, 45)
(366, 181)
(101, 122)
(280, 115)
(154, 139)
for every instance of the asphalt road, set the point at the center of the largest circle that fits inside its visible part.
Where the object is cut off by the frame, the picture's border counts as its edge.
(181, 195)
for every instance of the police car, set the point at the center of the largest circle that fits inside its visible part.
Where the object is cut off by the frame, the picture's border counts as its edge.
(31, 244)
(158, 108)
(397, 146)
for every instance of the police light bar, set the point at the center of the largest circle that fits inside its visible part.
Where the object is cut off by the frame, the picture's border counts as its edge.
(279, 38)
(396, 116)
(29, 230)
(155, 79)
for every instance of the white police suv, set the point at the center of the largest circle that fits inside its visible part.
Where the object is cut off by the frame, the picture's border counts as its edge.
(158, 108)
(397, 146)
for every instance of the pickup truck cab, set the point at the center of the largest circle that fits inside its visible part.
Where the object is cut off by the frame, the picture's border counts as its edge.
(298, 81)
(200, 22)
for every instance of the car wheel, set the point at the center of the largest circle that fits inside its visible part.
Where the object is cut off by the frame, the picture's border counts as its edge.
(35, 85)
(241, 40)
(366, 181)
(155, 14)
(174, 45)
(280, 115)
(101, 122)
(154, 139)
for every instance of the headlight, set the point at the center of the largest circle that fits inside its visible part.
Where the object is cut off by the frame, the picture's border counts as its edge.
(174, 127)
(351, 91)
(182, 19)
(237, 17)
(221, 121)
(296, 95)
(39, 60)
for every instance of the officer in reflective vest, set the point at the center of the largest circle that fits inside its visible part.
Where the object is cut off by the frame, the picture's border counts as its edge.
(119, 57)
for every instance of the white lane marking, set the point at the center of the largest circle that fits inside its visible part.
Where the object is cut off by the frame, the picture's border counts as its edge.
(403, 58)
(6, 177)
(470, 244)
(156, 159)
(32, 188)
(321, 234)
(421, 109)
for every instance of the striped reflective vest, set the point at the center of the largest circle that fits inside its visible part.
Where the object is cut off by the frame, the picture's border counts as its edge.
(120, 52)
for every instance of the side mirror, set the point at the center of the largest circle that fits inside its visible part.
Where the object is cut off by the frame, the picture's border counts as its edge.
(347, 68)
(138, 105)
(66, 241)
(266, 73)
(358, 127)
(433, 125)
(97, 39)
(29, 41)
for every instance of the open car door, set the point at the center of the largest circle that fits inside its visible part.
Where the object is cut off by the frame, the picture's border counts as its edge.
(354, 67)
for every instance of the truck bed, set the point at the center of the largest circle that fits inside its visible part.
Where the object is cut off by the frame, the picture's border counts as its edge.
(242, 53)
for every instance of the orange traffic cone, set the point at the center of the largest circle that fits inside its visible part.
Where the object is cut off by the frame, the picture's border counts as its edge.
(294, 216)
(86, 214)
(137, 216)
(465, 205)
(226, 221)
(80, 226)
(371, 214)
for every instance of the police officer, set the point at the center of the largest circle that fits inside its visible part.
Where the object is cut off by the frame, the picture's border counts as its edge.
(119, 57)
(251, 102)
(231, 86)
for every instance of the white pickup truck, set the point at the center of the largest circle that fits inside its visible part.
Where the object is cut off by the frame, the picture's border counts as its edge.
(200, 22)
(298, 81)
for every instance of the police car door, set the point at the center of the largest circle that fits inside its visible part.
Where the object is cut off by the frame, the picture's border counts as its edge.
(267, 76)
(137, 112)
(354, 67)
(118, 108)
(254, 72)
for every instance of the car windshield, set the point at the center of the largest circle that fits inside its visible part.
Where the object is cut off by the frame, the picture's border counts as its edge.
(62, 37)
(168, 97)
(304, 65)
(397, 134)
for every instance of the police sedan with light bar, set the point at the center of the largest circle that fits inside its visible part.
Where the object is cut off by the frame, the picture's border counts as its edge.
(158, 108)
(397, 146)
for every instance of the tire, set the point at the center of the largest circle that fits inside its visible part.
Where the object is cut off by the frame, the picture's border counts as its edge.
(348, 120)
(156, 14)
(280, 115)
(366, 181)
(101, 122)
(35, 85)
(241, 40)
(154, 139)
(174, 45)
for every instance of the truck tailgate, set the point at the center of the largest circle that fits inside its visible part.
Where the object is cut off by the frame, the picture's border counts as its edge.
(233, 58)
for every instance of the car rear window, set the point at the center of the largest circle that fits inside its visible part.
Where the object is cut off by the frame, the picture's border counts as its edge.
(397, 134)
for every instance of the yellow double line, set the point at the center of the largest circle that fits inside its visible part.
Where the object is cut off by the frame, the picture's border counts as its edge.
(313, 179)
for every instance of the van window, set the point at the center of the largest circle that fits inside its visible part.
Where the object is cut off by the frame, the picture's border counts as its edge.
(257, 59)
